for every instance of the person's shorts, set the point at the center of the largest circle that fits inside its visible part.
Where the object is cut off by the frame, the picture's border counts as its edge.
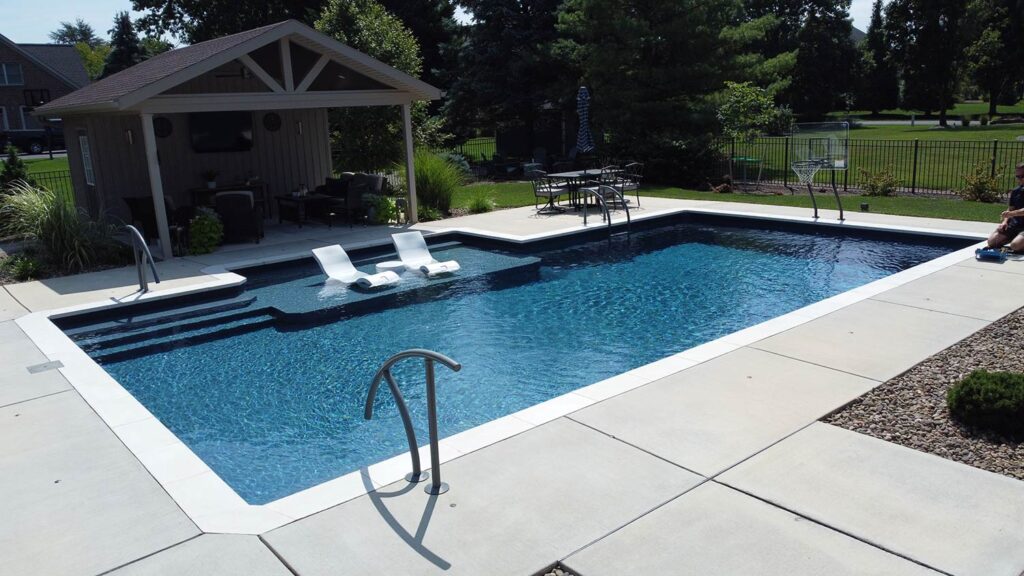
(1014, 230)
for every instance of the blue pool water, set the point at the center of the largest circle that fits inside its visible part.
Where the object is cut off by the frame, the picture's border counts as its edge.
(277, 407)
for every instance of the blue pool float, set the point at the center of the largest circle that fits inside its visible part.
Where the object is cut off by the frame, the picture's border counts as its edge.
(991, 254)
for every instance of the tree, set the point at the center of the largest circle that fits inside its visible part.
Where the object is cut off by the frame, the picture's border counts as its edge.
(506, 68)
(79, 31)
(927, 46)
(151, 46)
(433, 24)
(198, 20)
(652, 73)
(748, 111)
(13, 168)
(993, 52)
(125, 50)
(93, 57)
(879, 88)
(369, 139)
(823, 78)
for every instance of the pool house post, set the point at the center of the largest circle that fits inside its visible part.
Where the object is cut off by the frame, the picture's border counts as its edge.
(410, 170)
(156, 185)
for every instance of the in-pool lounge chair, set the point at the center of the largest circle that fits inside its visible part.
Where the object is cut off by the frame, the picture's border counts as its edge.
(334, 261)
(412, 251)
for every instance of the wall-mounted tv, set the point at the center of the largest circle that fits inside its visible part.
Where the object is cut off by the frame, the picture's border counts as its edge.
(220, 131)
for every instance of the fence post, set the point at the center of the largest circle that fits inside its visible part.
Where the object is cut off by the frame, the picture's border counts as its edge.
(846, 167)
(995, 147)
(913, 171)
(785, 164)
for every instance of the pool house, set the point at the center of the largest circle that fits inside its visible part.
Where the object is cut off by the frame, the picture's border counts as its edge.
(246, 112)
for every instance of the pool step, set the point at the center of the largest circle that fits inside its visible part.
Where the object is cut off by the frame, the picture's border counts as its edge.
(123, 326)
(123, 348)
(181, 327)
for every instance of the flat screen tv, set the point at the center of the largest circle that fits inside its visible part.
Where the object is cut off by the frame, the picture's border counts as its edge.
(220, 131)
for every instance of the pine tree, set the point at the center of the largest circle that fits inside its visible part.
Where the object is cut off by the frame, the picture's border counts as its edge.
(928, 46)
(73, 33)
(14, 168)
(126, 51)
(824, 78)
(880, 88)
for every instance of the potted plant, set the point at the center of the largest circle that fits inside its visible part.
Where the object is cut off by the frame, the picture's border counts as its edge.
(211, 178)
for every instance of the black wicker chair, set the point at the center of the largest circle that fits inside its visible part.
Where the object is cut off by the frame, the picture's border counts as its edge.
(241, 217)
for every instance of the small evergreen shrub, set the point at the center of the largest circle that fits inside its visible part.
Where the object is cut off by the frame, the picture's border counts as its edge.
(980, 185)
(480, 205)
(13, 169)
(990, 400)
(881, 183)
(205, 232)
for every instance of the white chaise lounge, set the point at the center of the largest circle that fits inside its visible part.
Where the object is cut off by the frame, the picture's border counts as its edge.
(412, 251)
(334, 261)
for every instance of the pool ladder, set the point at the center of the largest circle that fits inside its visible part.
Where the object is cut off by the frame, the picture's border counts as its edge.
(142, 255)
(598, 193)
(417, 475)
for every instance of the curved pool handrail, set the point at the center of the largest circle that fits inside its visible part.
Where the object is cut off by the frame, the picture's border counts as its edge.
(139, 245)
(429, 357)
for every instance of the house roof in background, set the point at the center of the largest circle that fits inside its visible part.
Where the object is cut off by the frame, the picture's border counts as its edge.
(60, 60)
(61, 57)
(148, 78)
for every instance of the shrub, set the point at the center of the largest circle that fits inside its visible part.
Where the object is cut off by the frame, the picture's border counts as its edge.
(68, 238)
(460, 162)
(480, 204)
(980, 185)
(881, 183)
(382, 210)
(966, 120)
(436, 181)
(13, 169)
(427, 213)
(204, 232)
(21, 267)
(990, 400)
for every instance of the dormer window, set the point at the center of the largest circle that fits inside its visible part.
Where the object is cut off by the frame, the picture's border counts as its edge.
(10, 74)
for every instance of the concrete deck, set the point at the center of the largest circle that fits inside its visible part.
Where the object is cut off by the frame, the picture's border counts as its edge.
(708, 462)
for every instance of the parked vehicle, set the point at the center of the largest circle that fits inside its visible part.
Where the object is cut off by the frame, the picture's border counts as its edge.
(32, 141)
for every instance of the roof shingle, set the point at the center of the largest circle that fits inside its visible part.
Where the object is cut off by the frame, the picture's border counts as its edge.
(63, 58)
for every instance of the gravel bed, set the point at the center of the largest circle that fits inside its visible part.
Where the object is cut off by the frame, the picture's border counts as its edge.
(910, 409)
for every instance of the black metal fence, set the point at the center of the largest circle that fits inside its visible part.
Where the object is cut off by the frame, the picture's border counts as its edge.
(933, 167)
(58, 181)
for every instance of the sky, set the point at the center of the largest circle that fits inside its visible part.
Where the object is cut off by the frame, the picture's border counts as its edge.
(31, 21)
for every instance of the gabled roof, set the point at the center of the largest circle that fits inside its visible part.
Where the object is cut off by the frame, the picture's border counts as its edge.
(61, 57)
(60, 60)
(152, 77)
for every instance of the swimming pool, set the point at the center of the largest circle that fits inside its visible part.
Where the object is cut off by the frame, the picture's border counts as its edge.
(266, 385)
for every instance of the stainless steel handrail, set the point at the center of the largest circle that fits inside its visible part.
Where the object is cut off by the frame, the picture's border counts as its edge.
(417, 475)
(605, 213)
(139, 246)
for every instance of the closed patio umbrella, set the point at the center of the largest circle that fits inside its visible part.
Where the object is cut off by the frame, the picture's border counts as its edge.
(584, 139)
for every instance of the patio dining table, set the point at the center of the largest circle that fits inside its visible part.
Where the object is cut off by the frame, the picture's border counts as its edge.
(575, 179)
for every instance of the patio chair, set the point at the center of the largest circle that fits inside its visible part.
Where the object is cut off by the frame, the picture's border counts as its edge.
(344, 198)
(413, 252)
(632, 174)
(241, 217)
(142, 214)
(544, 187)
(336, 264)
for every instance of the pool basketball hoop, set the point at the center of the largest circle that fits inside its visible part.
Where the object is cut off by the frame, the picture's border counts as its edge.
(820, 147)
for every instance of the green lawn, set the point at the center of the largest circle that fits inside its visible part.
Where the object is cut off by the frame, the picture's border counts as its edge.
(47, 165)
(1006, 132)
(961, 108)
(513, 194)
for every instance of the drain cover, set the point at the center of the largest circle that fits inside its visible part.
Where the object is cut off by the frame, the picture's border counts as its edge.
(45, 366)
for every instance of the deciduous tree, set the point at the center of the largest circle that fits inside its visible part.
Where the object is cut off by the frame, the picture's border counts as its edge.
(73, 33)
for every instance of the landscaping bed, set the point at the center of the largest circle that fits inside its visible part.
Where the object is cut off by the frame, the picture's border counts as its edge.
(910, 409)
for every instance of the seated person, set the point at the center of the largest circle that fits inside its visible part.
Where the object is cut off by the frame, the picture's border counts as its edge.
(1011, 229)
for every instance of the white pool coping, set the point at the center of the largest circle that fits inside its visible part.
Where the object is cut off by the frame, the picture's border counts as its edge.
(216, 508)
